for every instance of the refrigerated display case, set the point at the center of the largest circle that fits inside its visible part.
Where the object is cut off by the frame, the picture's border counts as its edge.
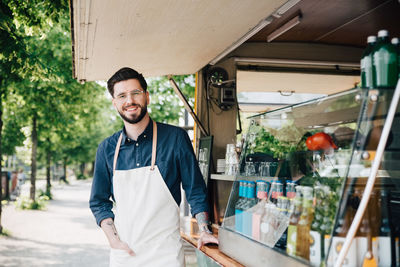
(302, 176)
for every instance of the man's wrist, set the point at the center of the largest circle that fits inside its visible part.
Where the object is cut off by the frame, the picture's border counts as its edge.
(206, 228)
(203, 222)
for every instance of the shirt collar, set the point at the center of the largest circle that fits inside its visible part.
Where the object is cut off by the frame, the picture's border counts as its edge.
(147, 133)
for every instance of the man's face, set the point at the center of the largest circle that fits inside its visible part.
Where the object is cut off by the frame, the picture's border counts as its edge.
(130, 100)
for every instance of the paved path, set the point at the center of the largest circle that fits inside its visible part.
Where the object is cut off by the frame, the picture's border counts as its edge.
(64, 235)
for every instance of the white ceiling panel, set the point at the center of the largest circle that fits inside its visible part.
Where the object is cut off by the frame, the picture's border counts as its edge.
(158, 37)
(252, 81)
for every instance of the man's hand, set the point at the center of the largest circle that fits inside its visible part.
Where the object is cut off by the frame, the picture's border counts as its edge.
(206, 238)
(122, 246)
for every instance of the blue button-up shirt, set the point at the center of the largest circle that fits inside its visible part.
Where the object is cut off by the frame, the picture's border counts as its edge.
(175, 160)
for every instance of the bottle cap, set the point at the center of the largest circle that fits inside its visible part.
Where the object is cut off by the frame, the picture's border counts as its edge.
(383, 33)
(371, 39)
(395, 41)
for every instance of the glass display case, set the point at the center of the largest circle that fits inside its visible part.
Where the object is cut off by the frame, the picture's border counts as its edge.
(302, 174)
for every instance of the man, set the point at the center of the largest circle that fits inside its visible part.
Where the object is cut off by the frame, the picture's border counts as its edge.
(141, 168)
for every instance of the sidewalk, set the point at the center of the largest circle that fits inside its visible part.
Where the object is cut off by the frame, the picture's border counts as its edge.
(63, 235)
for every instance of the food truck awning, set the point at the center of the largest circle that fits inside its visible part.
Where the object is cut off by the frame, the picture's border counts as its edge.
(158, 37)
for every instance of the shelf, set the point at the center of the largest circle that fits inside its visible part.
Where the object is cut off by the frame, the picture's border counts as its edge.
(223, 177)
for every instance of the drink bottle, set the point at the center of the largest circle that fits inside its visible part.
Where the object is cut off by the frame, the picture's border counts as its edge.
(238, 207)
(293, 221)
(384, 58)
(386, 242)
(367, 77)
(304, 224)
(248, 204)
(396, 43)
(259, 209)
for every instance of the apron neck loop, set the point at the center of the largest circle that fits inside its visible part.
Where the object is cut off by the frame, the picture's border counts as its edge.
(154, 150)
(116, 152)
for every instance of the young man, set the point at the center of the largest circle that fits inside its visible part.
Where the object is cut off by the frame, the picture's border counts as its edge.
(141, 168)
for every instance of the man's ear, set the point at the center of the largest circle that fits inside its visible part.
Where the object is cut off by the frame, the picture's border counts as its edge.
(148, 97)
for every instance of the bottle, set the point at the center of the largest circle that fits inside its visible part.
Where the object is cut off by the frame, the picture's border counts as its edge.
(272, 194)
(266, 228)
(386, 242)
(339, 237)
(396, 43)
(283, 208)
(317, 232)
(259, 209)
(304, 224)
(247, 212)
(367, 77)
(238, 207)
(293, 221)
(384, 58)
(279, 190)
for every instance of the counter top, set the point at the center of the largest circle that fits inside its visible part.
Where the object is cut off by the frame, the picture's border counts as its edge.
(211, 251)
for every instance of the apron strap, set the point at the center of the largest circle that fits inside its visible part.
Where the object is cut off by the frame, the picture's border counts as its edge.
(117, 152)
(154, 150)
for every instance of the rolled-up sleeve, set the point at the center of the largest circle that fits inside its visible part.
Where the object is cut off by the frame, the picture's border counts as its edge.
(100, 203)
(192, 179)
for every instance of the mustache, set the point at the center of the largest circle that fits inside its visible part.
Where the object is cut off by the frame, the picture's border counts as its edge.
(133, 106)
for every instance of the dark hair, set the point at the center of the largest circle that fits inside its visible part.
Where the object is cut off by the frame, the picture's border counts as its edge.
(123, 75)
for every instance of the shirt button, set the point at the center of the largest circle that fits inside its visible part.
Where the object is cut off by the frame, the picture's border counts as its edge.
(137, 164)
(144, 136)
(137, 144)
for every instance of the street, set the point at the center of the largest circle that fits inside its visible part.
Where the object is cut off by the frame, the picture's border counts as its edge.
(64, 235)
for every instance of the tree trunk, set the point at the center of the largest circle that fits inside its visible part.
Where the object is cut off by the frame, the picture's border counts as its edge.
(65, 168)
(92, 169)
(82, 168)
(48, 165)
(1, 128)
(33, 160)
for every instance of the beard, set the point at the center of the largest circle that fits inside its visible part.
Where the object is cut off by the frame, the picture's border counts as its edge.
(135, 118)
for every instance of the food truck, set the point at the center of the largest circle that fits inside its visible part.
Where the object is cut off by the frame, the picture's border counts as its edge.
(311, 177)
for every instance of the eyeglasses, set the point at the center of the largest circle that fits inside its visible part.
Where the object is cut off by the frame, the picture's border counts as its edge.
(135, 94)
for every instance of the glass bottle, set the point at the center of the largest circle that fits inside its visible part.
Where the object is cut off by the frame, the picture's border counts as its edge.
(384, 58)
(293, 221)
(238, 207)
(396, 43)
(367, 76)
(283, 208)
(386, 245)
(259, 209)
(247, 213)
(304, 224)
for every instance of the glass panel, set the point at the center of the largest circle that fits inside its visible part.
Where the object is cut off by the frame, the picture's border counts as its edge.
(302, 172)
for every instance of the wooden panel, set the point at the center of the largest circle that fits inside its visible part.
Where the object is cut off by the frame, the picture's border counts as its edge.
(337, 22)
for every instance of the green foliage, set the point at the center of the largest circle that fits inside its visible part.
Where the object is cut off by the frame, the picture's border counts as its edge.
(25, 203)
(5, 232)
(165, 106)
(265, 142)
(81, 177)
(46, 193)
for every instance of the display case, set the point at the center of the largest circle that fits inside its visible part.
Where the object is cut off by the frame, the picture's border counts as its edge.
(302, 176)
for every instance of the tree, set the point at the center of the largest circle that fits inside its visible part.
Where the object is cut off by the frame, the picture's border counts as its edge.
(165, 105)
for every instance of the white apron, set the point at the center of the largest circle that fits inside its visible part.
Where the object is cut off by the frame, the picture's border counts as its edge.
(146, 216)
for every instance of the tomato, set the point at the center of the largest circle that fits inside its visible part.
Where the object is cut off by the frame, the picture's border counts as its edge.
(310, 144)
(320, 141)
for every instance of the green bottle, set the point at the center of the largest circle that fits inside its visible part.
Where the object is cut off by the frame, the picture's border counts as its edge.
(396, 43)
(384, 58)
(367, 77)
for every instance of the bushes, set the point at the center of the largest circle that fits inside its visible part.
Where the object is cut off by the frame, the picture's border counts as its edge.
(25, 203)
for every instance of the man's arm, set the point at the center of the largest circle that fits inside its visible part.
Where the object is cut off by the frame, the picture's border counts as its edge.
(196, 191)
(113, 239)
(205, 230)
